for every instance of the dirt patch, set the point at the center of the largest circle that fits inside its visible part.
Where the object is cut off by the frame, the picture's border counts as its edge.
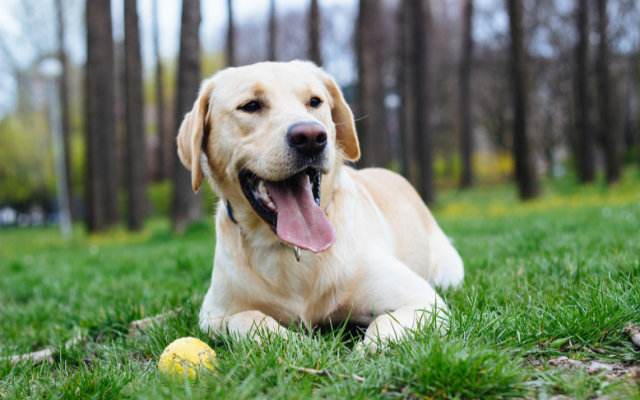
(613, 370)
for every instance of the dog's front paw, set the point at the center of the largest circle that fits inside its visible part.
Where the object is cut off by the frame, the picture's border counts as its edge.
(366, 346)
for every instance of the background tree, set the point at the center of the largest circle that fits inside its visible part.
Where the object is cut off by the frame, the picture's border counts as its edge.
(585, 142)
(314, 33)
(162, 170)
(102, 184)
(608, 131)
(466, 135)
(186, 205)
(136, 159)
(231, 45)
(414, 77)
(272, 30)
(526, 176)
(422, 18)
(406, 78)
(64, 103)
(371, 126)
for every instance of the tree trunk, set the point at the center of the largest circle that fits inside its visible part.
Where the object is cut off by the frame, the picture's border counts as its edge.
(608, 132)
(526, 176)
(466, 138)
(102, 185)
(64, 105)
(314, 33)
(162, 170)
(371, 128)
(408, 110)
(585, 141)
(421, 20)
(136, 160)
(186, 205)
(272, 31)
(231, 54)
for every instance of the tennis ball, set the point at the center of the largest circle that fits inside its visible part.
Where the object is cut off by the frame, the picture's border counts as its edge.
(190, 353)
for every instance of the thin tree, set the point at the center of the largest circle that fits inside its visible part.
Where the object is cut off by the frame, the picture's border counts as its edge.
(231, 56)
(186, 205)
(608, 132)
(406, 79)
(162, 172)
(272, 30)
(585, 140)
(526, 176)
(136, 160)
(414, 80)
(421, 25)
(102, 184)
(64, 103)
(371, 127)
(314, 33)
(466, 138)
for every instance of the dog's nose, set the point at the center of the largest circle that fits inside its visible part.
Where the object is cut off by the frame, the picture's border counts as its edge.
(308, 138)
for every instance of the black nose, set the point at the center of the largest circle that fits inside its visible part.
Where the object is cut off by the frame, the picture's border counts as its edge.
(308, 138)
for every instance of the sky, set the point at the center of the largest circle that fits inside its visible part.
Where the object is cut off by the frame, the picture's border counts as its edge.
(21, 26)
(28, 28)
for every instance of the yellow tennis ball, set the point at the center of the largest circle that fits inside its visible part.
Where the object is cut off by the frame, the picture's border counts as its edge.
(190, 353)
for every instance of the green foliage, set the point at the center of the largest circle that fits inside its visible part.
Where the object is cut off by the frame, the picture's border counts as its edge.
(26, 161)
(159, 195)
(554, 276)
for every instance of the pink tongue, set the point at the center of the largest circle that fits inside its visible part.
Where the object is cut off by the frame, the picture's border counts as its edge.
(300, 221)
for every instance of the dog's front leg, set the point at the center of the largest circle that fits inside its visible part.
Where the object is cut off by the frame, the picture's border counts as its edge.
(400, 300)
(394, 326)
(247, 323)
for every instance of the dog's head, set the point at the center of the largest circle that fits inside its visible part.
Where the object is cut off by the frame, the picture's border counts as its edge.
(266, 134)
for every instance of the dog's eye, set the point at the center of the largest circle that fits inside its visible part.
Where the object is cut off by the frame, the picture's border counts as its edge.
(251, 106)
(315, 102)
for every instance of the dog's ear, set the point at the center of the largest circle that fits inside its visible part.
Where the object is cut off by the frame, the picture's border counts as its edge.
(346, 137)
(194, 130)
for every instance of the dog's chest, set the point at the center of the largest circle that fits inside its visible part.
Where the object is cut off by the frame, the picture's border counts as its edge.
(303, 292)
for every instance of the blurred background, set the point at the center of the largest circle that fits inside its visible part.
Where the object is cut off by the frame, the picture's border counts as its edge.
(449, 93)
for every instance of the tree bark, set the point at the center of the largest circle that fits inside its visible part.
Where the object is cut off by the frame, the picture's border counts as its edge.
(410, 168)
(314, 33)
(526, 176)
(102, 185)
(136, 159)
(162, 172)
(231, 54)
(371, 128)
(64, 105)
(272, 30)
(466, 138)
(608, 132)
(585, 141)
(186, 205)
(422, 19)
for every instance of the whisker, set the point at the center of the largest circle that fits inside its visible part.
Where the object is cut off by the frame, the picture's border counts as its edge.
(355, 120)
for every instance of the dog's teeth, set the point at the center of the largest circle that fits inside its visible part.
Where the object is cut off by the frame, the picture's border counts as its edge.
(265, 197)
(271, 206)
(262, 188)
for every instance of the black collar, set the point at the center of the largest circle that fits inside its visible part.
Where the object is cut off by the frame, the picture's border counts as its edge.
(230, 213)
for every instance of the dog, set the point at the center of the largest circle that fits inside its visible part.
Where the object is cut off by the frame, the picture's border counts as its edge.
(303, 238)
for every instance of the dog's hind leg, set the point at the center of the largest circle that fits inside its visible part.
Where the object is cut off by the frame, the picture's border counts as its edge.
(448, 268)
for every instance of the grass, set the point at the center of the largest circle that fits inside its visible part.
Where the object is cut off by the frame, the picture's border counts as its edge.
(555, 276)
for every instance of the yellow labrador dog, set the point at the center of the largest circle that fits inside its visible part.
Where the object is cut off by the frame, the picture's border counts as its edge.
(302, 238)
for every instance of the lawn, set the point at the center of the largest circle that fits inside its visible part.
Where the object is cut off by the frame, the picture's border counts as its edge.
(558, 276)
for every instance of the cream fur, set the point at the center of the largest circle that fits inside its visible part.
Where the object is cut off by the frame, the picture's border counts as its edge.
(389, 248)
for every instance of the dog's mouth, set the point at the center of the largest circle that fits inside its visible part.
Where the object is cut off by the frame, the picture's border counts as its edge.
(291, 207)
